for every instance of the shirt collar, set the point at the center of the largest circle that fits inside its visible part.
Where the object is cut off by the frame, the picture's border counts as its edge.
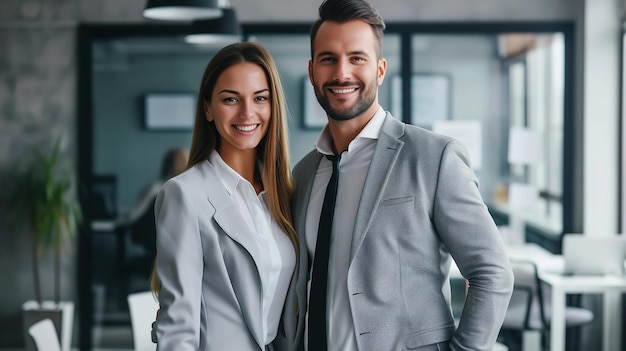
(370, 131)
(229, 178)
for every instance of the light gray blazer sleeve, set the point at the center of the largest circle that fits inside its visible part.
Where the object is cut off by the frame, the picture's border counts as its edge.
(179, 267)
(470, 235)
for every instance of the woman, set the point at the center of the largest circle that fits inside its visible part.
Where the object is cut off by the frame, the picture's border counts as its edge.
(225, 240)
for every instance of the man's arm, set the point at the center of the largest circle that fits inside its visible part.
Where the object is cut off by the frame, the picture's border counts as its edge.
(472, 238)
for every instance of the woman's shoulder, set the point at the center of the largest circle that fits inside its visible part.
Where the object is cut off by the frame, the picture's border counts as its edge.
(190, 179)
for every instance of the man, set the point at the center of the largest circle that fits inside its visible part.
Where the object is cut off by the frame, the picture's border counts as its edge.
(407, 201)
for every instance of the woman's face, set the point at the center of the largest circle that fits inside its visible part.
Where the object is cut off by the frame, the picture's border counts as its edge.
(240, 107)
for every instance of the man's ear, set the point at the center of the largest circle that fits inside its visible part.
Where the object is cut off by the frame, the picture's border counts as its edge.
(310, 69)
(382, 69)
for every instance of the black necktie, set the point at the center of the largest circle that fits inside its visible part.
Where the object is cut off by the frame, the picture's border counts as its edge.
(319, 277)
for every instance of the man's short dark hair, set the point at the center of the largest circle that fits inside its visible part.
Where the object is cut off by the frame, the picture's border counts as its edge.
(342, 11)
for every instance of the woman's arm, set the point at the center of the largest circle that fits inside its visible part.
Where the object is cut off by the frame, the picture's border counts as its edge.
(179, 269)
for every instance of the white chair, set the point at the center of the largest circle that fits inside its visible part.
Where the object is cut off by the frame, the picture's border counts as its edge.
(499, 347)
(529, 311)
(45, 335)
(143, 307)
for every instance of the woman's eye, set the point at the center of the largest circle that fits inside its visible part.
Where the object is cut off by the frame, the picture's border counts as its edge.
(261, 98)
(230, 99)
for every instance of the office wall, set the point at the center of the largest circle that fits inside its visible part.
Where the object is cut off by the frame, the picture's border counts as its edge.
(122, 145)
(37, 89)
(38, 92)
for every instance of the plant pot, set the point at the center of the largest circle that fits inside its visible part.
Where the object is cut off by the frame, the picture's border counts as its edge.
(62, 315)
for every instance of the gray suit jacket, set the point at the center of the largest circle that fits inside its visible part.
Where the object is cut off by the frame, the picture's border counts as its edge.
(420, 206)
(211, 290)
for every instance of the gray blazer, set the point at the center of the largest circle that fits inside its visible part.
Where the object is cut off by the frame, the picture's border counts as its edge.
(211, 290)
(419, 207)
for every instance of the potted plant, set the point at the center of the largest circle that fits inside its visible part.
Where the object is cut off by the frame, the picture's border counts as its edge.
(47, 207)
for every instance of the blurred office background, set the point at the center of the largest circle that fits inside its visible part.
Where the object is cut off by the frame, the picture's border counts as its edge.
(532, 87)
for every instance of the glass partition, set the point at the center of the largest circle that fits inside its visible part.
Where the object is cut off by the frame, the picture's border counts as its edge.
(502, 95)
(141, 97)
(485, 79)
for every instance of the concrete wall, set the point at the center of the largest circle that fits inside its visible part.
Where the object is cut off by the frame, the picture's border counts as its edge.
(38, 92)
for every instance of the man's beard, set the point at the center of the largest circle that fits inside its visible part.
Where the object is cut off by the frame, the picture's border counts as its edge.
(365, 99)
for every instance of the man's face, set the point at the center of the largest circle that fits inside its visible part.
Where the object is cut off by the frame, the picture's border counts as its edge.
(345, 70)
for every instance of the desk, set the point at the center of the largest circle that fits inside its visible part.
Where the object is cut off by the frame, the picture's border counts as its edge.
(611, 287)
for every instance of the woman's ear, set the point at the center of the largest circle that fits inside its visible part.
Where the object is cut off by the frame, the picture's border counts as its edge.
(207, 112)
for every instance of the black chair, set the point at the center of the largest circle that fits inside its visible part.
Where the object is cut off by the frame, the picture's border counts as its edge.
(142, 232)
(530, 307)
(101, 201)
(140, 251)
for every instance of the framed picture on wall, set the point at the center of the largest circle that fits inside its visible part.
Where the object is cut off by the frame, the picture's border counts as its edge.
(313, 115)
(431, 98)
(170, 111)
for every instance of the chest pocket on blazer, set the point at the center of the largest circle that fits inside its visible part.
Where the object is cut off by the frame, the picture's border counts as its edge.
(397, 200)
(394, 215)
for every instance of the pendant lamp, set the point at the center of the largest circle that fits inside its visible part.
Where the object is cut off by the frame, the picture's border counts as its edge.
(225, 29)
(182, 10)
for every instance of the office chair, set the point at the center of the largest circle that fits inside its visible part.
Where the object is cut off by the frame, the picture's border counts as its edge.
(142, 307)
(45, 335)
(530, 309)
(100, 201)
(139, 253)
(143, 233)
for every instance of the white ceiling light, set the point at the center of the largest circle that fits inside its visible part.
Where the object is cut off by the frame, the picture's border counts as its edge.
(225, 29)
(182, 10)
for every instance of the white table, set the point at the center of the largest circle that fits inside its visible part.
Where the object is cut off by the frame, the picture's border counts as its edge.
(611, 287)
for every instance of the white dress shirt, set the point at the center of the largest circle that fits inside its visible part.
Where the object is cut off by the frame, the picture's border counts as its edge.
(277, 254)
(353, 168)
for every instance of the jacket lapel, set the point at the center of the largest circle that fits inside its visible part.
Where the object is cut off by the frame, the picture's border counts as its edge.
(228, 217)
(385, 155)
